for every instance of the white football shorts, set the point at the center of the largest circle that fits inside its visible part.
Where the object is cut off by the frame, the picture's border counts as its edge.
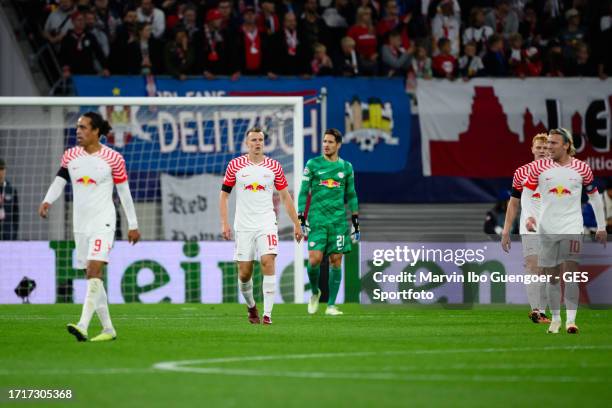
(94, 246)
(250, 245)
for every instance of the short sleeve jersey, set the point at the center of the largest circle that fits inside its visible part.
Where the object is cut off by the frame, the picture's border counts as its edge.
(92, 177)
(561, 189)
(328, 181)
(254, 185)
(518, 181)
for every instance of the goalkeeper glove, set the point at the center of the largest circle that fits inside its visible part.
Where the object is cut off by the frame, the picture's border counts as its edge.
(303, 224)
(355, 233)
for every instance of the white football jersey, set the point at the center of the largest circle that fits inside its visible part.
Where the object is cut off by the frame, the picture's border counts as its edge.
(254, 185)
(561, 189)
(92, 177)
(518, 181)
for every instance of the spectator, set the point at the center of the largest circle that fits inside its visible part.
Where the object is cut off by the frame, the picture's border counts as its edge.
(529, 28)
(554, 64)
(478, 32)
(189, 22)
(9, 207)
(365, 41)
(373, 5)
(502, 19)
(514, 56)
(173, 13)
(392, 21)
(148, 13)
(126, 34)
(348, 62)
(495, 217)
(446, 24)
(229, 22)
(106, 19)
(212, 47)
(582, 65)
(523, 62)
(421, 63)
(252, 48)
(494, 61)
(444, 64)
(312, 26)
(470, 64)
(430, 8)
(289, 54)
(321, 63)
(145, 53)
(79, 50)
(571, 34)
(93, 29)
(287, 6)
(337, 21)
(267, 20)
(179, 55)
(395, 58)
(59, 23)
(336, 17)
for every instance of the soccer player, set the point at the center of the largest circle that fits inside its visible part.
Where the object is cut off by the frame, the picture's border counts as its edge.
(560, 226)
(255, 176)
(329, 180)
(93, 168)
(536, 291)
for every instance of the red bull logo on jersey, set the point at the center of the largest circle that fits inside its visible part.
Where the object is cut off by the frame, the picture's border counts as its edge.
(560, 191)
(86, 180)
(255, 187)
(330, 183)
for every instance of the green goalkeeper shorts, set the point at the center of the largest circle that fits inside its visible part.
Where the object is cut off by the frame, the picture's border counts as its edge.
(329, 239)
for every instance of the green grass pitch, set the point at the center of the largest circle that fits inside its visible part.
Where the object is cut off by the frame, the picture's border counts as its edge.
(209, 356)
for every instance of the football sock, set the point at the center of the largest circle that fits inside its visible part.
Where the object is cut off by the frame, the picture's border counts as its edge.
(246, 288)
(542, 297)
(572, 295)
(89, 305)
(102, 309)
(533, 295)
(554, 300)
(269, 290)
(313, 276)
(335, 277)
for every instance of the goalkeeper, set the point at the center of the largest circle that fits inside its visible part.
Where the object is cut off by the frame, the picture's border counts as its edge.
(330, 182)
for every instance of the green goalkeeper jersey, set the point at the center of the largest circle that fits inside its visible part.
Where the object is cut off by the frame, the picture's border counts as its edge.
(329, 184)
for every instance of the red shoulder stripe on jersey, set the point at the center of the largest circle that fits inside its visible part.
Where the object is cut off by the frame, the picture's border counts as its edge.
(520, 175)
(280, 181)
(71, 154)
(116, 162)
(584, 170)
(232, 168)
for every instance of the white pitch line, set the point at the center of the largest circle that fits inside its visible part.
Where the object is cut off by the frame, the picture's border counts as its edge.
(184, 366)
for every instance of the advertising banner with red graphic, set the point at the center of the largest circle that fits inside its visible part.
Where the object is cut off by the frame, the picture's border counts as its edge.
(483, 128)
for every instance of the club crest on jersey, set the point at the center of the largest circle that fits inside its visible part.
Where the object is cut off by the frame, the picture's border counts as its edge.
(86, 180)
(255, 187)
(330, 183)
(560, 191)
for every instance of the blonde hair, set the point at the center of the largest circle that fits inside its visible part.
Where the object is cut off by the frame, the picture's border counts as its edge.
(540, 137)
(567, 138)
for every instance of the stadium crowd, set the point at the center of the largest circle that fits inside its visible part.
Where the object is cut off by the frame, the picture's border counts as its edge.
(415, 38)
